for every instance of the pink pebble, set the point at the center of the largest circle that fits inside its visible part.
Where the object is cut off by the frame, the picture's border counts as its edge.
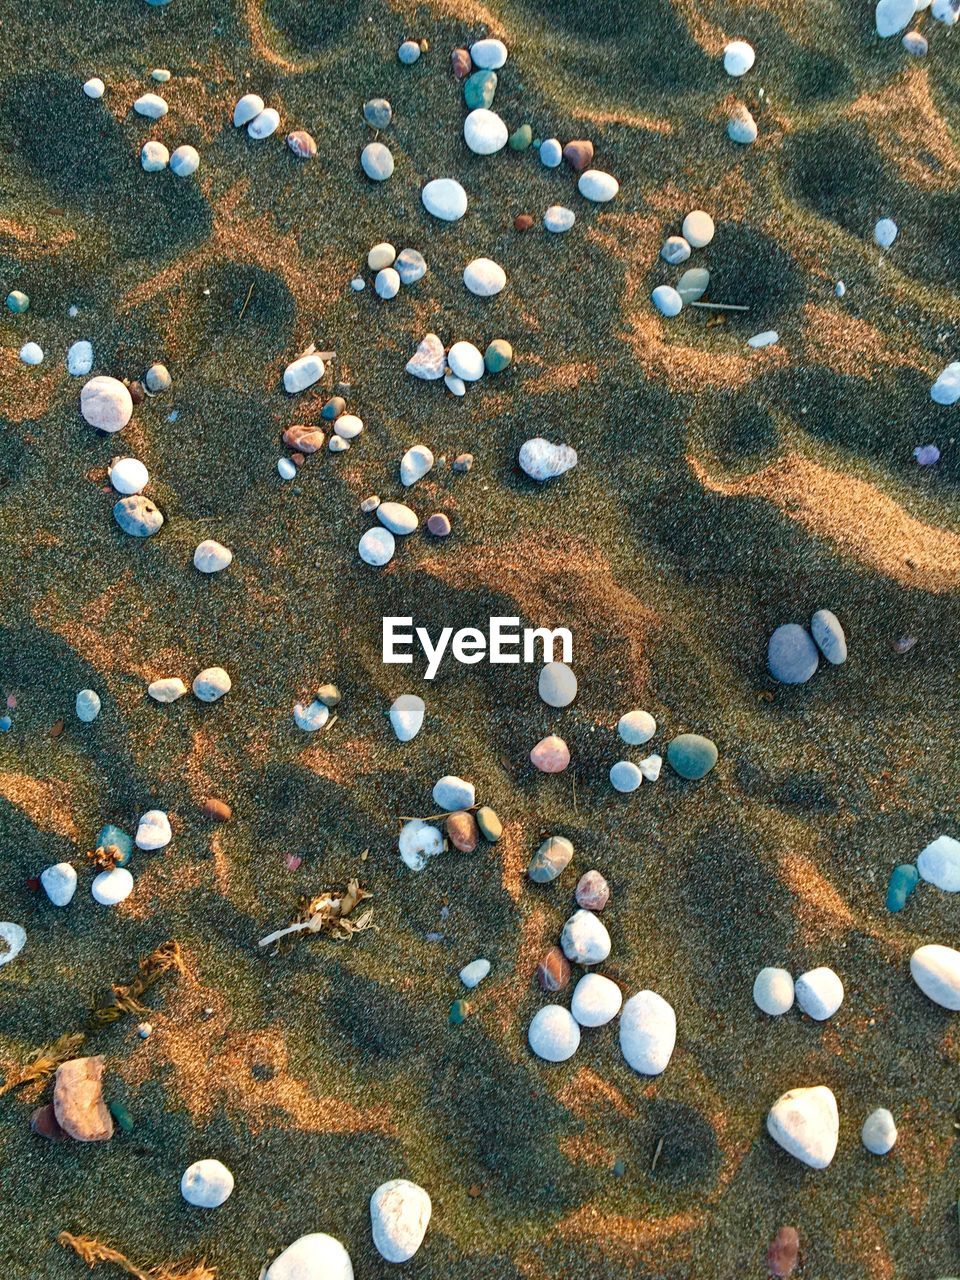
(550, 755)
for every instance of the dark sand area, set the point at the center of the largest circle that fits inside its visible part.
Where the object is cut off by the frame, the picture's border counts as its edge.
(720, 492)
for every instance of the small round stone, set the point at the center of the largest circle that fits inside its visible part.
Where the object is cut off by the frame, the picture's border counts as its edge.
(445, 198)
(17, 302)
(667, 300)
(59, 883)
(376, 161)
(472, 974)
(479, 90)
(557, 684)
(302, 144)
(138, 516)
(378, 113)
(157, 379)
(625, 776)
(377, 547)
(106, 404)
(247, 109)
(596, 1000)
(387, 283)
(153, 830)
(154, 157)
(885, 232)
(551, 153)
(691, 755)
(488, 53)
(286, 469)
(411, 266)
(498, 355)
(915, 44)
(554, 1034)
(879, 1132)
(521, 138)
(211, 684)
(408, 52)
(31, 353)
(584, 939)
(484, 277)
(552, 857)
(466, 361)
(398, 518)
(94, 87)
(829, 636)
(439, 525)
(557, 219)
(111, 887)
(461, 831)
(597, 186)
(636, 727)
(185, 161)
(87, 705)
(550, 755)
(738, 58)
(791, 654)
(463, 463)
(151, 105)
(553, 970)
(741, 126)
(592, 891)
(265, 125)
(675, 250)
(773, 991)
(522, 222)
(207, 1184)
(456, 386)
(380, 256)
(211, 556)
(693, 284)
(698, 229)
(819, 993)
(578, 154)
(160, 74)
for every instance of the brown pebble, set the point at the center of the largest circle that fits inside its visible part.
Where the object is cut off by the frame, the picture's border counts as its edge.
(329, 695)
(553, 971)
(463, 462)
(216, 809)
(522, 222)
(784, 1253)
(297, 459)
(424, 46)
(592, 891)
(461, 62)
(578, 154)
(461, 829)
(44, 1122)
(439, 524)
(370, 504)
(473, 1191)
(904, 644)
(56, 729)
(137, 393)
(303, 438)
(302, 144)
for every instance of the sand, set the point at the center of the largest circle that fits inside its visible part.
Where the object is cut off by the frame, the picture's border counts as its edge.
(720, 492)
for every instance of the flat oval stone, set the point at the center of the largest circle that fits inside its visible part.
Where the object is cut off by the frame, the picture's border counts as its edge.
(557, 219)
(247, 109)
(625, 776)
(376, 547)
(592, 891)
(936, 971)
(819, 993)
(167, 689)
(498, 355)
(885, 232)
(138, 516)
(550, 859)
(264, 125)
(584, 939)
(557, 685)
(773, 991)
(461, 829)
(667, 300)
(211, 684)
(112, 887)
(484, 277)
(399, 1215)
(211, 556)
(80, 359)
(829, 636)
(151, 105)
(378, 113)
(302, 144)
(207, 1184)
(376, 161)
(791, 654)
(693, 284)
(490, 825)
(439, 524)
(553, 970)
(879, 1132)
(903, 880)
(636, 727)
(479, 89)
(691, 755)
(596, 1000)
(551, 153)
(387, 283)
(452, 793)
(488, 53)
(348, 426)
(466, 361)
(805, 1122)
(87, 705)
(554, 1034)
(648, 1033)
(598, 186)
(472, 974)
(550, 755)
(445, 199)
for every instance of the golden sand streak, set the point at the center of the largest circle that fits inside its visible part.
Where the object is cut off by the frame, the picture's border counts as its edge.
(852, 514)
(587, 1091)
(345, 760)
(92, 634)
(46, 804)
(469, 13)
(904, 123)
(632, 119)
(585, 1149)
(562, 378)
(631, 1239)
(504, 998)
(844, 344)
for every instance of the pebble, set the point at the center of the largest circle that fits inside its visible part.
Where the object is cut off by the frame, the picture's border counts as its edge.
(675, 250)
(411, 266)
(313, 1257)
(153, 830)
(429, 360)
(377, 546)
(185, 161)
(741, 126)
(650, 767)
(329, 695)
(819, 993)
(247, 109)
(138, 516)
(491, 828)
(399, 1215)
(598, 186)
(387, 283)
(43, 1120)
(521, 138)
(893, 15)
(445, 199)
(829, 636)
(768, 338)
(773, 991)
(211, 556)
(466, 361)
(211, 684)
(311, 717)
(946, 389)
(461, 831)
(738, 58)
(915, 43)
(783, 1253)
(418, 842)
(439, 525)
(879, 1132)
(522, 222)
(397, 517)
(592, 891)
(207, 1184)
(334, 407)
(939, 864)
(479, 91)
(111, 887)
(452, 793)
(488, 53)
(625, 776)
(87, 706)
(80, 359)
(460, 63)
(286, 469)
(927, 455)
(558, 219)
(160, 74)
(484, 277)
(885, 232)
(945, 11)
(376, 160)
(667, 300)
(698, 229)
(551, 153)
(462, 463)
(636, 727)
(840, 289)
(554, 1034)
(691, 755)
(94, 87)
(415, 464)
(151, 105)
(14, 938)
(169, 689)
(216, 810)
(557, 684)
(584, 939)
(542, 460)
(409, 52)
(553, 970)
(596, 1000)
(498, 355)
(693, 284)
(18, 303)
(378, 113)
(473, 974)
(903, 880)
(264, 125)
(805, 1122)
(550, 859)
(157, 379)
(550, 755)
(791, 654)
(369, 505)
(78, 1100)
(302, 373)
(59, 883)
(31, 353)
(648, 1033)
(578, 154)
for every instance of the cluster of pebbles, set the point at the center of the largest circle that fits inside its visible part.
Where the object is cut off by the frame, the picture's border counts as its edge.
(466, 823)
(459, 367)
(392, 270)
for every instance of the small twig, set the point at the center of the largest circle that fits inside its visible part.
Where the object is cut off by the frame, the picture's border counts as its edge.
(245, 302)
(719, 306)
(434, 817)
(656, 1154)
(573, 775)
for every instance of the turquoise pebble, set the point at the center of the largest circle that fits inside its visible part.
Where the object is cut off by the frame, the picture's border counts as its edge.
(17, 302)
(122, 1116)
(6, 724)
(691, 755)
(521, 138)
(459, 1012)
(903, 881)
(498, 355)
(111, 835)
(479, 89)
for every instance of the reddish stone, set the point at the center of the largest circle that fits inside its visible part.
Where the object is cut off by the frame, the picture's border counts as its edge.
(550, 755)
(78, 1100)
(439, 525)
(303, 438)
(784, 1253)
(592, 891)
(301, 144)
(578, 154)
(44, 1122)
(522, 222)
(461, 829)
(218, 810)
(461, 63)
(553, 971)
(137, 393)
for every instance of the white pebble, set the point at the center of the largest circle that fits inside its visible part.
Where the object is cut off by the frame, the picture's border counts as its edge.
(153, 830)
(554, 1034)
(313, 1257)
(484, 277)
(738, 58)
(456, 386)
(805, 1122)
(667, 301)
(939, 864)
(31, 353)
(489, 54)
(167, 689)
(185, 161)
(415, 463)
(819, 993)
(211, 556)
(597, 186)
(264, 125)
(551, 153)
(154, 157)
(418, 842)
(247, 109)
(625, 776)
(59, 883)
(698, 228)
(466, 361)
(151, 105)
(87, 705)
(472, 974)
(211, 684)
(311, 716)
(14, 936)
(946, 389)
(648, 1033)
(773, 991)
(558, 219)
(445, 199)
(111, 887)
(936, 971)
(399, 1216)
(484, 132)
(584, 938)
(80, 359)
(596, 1000)
(636, 727)
(765, 339)
(286, 469)
(406, 716)
(207, 1184)
(651, 766)
(377, 546)
(348, 426)
(885, 232)
(94, 87)
(893, 15)
(879, 1132)
(302, 373)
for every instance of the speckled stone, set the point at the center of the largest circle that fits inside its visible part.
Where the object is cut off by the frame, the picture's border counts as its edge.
(691, 755)
(553, 970)
(550, 859)
(592, 891)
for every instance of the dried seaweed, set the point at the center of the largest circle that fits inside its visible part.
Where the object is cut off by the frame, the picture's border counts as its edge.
(92, 1252)
(329, 913)
(35, 1073)
(106, 857)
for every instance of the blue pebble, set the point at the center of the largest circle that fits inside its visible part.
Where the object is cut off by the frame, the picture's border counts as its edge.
(829, 636)
(6, 724)
(408, 52)
(903, 881)
(792, 655)
(112, 835)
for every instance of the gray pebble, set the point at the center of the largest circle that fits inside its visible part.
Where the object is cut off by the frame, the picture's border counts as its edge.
(408, 52)
(791, 654)
(829, 636)
(378, 113)
(137, 516)
(410, 265)
(376, 161)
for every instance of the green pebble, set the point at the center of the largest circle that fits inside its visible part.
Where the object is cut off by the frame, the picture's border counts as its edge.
(521, 138)
(17, 302)
(903, 881)
(693, 284)
(479, 89)
(490, 825)
(459, 1012)
(122, 1116)
(498, 355)
(691, 755)
(550, 859)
